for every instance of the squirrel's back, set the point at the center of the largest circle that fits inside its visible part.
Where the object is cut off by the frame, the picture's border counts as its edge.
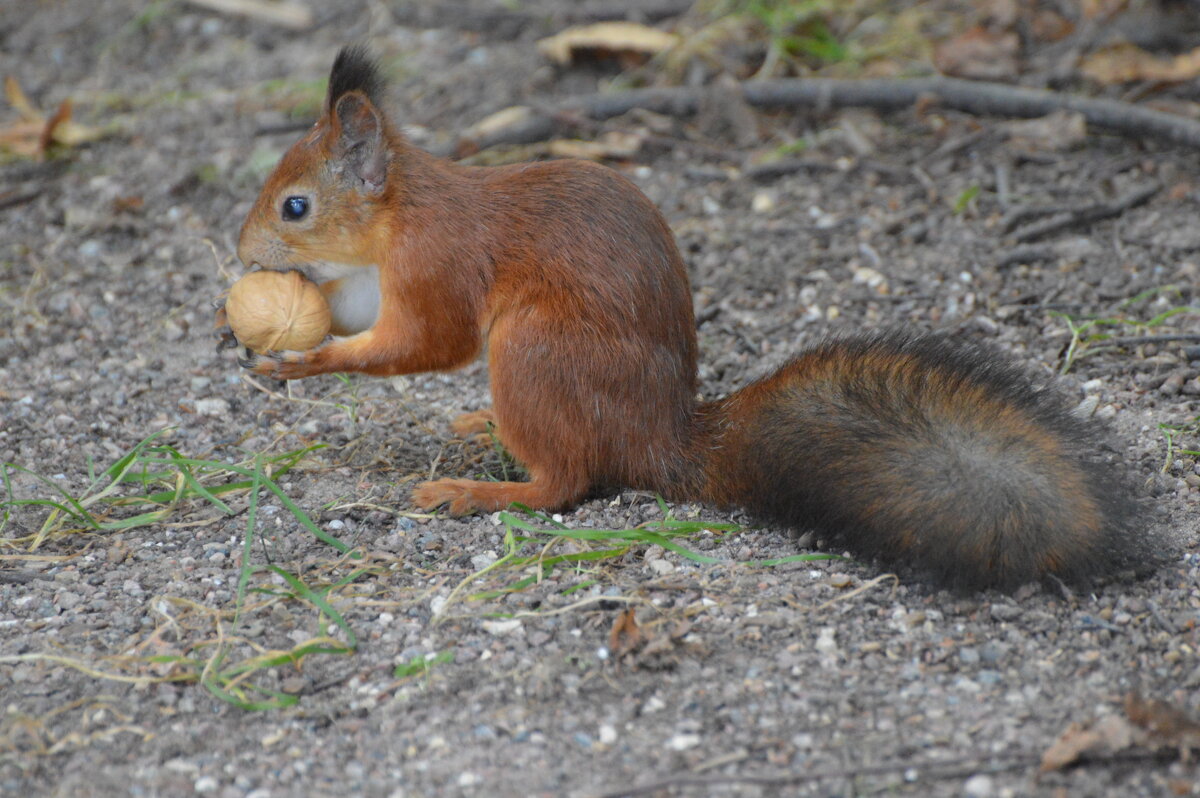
(933, 453)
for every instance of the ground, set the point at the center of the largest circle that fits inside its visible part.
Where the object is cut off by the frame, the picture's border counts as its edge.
(734, 670)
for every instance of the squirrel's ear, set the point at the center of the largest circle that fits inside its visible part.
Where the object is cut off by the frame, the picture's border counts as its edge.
(360, 149)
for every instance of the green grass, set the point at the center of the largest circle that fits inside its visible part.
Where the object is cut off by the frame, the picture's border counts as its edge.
(148, 485)
(963, 201)
(422, 665)
(1172, 432)
(154, 483)
(1093, 335)
(777, 38)
(529, 537)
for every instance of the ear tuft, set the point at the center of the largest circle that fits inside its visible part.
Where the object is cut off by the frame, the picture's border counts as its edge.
(354, 69)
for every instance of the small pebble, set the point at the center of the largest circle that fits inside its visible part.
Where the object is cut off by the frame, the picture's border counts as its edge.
(979, 786)
(212, 407)
(661, 567)
(682, 742)
(1171, 385)
(1005, 612)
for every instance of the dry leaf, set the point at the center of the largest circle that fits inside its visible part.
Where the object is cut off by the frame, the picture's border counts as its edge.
(999, 14)
(60, 118)
(1058, 131)
(131, 203)
(1148, 724)
(980, 54)
(32, 136)
(1048, 26)
(614, 145)
(1127, 63)
(1101, 9)
(19, 101)
(625, 635)
(21, 138)
(501, 120)
(1106, 736)
(1166, 725)
(621, 39)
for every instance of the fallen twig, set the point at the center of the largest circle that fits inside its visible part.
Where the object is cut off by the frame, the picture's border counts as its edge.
(787, 166)
(1087, 214)
(13, 198)
(977, 97)
(1029, 254)
(1022, 213)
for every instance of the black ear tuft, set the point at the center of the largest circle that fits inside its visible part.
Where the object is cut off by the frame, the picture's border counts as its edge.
(354, 70)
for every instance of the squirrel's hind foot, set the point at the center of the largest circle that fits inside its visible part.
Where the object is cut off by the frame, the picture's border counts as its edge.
(466, 496)
(478, 424)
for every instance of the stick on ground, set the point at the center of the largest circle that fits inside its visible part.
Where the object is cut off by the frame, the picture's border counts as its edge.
(976, 97)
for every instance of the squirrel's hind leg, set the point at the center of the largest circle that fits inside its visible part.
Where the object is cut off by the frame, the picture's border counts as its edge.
(465, 496)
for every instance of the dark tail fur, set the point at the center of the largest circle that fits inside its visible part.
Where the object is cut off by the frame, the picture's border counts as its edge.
(931, 453)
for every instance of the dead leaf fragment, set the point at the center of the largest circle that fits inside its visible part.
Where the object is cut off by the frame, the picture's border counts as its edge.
(624, 40)
(19, 100)
(980, 54)
(1049, 26)
(614, 145)
(32, 136)
(625, 635)
(999, 14)
(1147, 724)
(1058, 131)
(1110, 734)
(1101, 9)
(1166, 725)
(501, 120)
(1128, 63)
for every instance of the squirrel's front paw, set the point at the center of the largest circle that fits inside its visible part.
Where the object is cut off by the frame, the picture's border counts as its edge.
(276, 365)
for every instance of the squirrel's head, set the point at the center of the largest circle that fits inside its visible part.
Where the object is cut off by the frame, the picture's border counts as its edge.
(327, 199)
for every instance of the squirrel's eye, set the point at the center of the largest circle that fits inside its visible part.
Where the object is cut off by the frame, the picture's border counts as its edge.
(294, 208)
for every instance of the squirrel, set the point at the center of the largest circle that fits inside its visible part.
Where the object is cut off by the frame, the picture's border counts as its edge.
(898, 446)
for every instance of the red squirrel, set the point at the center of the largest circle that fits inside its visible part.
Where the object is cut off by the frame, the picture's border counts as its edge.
(904, 447)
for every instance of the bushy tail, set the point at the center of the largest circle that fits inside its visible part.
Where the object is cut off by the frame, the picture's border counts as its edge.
(935, 454)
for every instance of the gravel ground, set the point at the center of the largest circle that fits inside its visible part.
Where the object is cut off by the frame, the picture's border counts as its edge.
(819, 671)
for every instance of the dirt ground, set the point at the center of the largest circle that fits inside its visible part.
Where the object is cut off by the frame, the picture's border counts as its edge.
(797, 678)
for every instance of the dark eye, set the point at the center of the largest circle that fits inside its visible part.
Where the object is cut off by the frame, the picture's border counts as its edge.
(294, 208)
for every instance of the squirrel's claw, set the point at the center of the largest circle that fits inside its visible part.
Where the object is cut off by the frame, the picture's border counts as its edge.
(247, 359)
(226, 339)
(286, 365)
(221, 330)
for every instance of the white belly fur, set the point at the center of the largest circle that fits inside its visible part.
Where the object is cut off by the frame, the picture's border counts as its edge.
(352, 293)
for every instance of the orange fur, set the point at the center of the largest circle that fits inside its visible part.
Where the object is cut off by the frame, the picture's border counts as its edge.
(571, 278)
